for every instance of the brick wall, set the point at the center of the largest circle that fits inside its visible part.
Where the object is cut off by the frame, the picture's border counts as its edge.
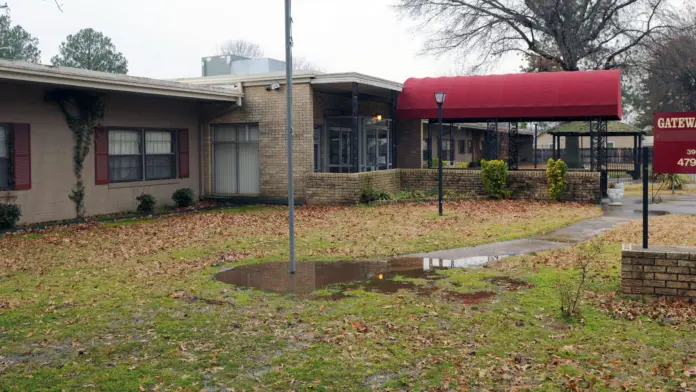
(332, 188)
(582, 186)
(327, 188)
(409, 136)
(384, 180)
(664, 271)
(268, 109)
(335, 188)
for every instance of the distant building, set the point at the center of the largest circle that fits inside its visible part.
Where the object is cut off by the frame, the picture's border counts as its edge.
(238, 65)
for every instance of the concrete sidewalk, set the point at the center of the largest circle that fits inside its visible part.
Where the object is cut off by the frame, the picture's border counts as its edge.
(577, 232)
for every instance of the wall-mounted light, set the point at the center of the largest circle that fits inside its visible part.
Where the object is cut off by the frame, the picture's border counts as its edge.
(377, 117)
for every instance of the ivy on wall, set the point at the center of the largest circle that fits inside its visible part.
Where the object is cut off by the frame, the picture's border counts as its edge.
(83, 111)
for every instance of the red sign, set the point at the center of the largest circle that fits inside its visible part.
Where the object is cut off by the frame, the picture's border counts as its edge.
(675, 143)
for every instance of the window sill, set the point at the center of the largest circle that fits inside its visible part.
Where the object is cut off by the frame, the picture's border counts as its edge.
(136, 184)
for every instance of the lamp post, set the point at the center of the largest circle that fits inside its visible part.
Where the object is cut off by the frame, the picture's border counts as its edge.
(439, 99)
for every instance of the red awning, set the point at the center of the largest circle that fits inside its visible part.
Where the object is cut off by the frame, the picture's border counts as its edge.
(546, 96)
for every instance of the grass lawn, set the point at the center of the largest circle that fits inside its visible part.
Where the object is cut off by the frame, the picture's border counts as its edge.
(637, 190)
(133, 307)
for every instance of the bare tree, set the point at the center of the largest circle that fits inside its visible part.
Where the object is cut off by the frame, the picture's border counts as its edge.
(574, 34)
(302, 64)
(666, 79)
(241, 48)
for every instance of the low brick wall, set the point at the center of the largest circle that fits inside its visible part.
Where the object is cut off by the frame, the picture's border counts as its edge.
(661, 271)
(582, 186)
(330, 188)
(524, 184)
(384, 180)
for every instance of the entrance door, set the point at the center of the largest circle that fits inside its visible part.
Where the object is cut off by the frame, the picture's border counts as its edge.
(236, 159)
(375, 153)
(339, 148)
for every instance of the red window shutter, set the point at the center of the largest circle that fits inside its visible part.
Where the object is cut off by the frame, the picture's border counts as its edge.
(21, 157)
(101, 156)
(183, 142)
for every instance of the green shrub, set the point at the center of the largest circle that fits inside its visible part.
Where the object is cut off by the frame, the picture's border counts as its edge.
(462, 165)
(555, 176)
(674, 181)
(494, 174)
(184, 197)
(9, 215)
(146, 204)
(370, 194)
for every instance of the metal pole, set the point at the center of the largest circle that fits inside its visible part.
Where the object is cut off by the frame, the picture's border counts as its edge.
(536, 135)
(452, 144)
(645, 198)
(439, 161)
(288, 89)
(430, 147)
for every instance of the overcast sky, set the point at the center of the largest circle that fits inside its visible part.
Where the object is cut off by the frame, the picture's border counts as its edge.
(167, 38)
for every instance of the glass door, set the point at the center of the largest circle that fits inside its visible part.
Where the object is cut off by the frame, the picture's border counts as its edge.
(375, 145)
(338, 140)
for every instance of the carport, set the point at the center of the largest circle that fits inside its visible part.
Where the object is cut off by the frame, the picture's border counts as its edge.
(592, 96)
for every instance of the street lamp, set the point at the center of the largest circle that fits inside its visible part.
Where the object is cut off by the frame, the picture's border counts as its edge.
(439, 100)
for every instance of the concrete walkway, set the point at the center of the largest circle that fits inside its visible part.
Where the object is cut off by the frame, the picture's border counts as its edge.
(578, 232)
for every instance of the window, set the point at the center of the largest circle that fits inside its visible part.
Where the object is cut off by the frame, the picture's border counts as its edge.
(4, 157)
(236, 159)
(470, 146)
(611, 144)
(462, 146)
(129, 161)
(446, 150)
(424, 147)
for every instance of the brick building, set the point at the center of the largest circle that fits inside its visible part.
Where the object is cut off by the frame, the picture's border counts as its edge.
(342, 123)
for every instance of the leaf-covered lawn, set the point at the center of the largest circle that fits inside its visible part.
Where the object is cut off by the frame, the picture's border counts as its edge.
(637, 190)
(100, 307)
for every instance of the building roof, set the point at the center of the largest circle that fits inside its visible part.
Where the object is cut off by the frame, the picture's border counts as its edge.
(73, 77)
(580, 128)
(546, 96)
(317, 78)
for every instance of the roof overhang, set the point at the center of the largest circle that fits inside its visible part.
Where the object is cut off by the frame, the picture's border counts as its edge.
(546, 96)
(260, 79)
(72, 77)
(369, 87)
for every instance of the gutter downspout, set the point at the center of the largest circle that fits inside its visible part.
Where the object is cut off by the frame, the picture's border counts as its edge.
(201, 190)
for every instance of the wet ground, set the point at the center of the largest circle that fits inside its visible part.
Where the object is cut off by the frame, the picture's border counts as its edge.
(418, 275)
(612, 216)
(419, 272)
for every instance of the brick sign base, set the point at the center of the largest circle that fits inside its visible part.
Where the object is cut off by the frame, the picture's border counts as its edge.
(662, 271)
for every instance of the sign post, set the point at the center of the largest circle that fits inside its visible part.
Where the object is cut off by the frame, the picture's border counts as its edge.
(645, 198)
(674, 151)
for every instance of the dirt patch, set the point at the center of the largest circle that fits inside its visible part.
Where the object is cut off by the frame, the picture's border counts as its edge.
(184, 296)
(509, 284)
(474, 298)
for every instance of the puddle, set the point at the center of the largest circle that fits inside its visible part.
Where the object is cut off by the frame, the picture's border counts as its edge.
(311, 276)
(475, 261)
(652, 213)
(373, 276)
